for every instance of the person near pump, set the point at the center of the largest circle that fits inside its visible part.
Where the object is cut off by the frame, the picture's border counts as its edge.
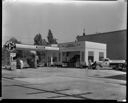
(21, 64)
(89, 64)
(94, 65)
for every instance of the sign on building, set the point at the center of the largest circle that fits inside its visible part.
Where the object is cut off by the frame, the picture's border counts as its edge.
(10, 46)
(12, 54)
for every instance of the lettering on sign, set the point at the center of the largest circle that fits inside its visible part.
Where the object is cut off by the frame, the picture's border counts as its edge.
(40, 47)
(70, 45)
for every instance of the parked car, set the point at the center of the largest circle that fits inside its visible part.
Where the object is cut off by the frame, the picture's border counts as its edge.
(114, 64)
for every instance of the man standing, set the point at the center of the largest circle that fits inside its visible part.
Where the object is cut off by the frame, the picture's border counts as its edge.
(89, 64)
(21, 64)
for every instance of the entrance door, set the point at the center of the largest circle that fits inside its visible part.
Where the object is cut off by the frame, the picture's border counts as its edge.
(91, 56)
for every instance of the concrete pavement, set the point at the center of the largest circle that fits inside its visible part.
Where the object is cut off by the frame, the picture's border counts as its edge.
(63, 83)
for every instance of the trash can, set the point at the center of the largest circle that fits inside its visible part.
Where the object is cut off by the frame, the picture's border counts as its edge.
(13, 65)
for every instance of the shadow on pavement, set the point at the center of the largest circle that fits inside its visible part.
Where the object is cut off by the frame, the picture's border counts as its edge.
(55, 91)
(71, 95)
(119, 77)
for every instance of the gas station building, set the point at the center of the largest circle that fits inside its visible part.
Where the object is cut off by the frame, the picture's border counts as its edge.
(81, 52)
(73, 54)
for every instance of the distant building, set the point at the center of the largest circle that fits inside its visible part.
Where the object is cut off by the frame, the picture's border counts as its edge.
(115, 40)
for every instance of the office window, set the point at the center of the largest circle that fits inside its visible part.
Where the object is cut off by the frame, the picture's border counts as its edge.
(101, 56)
(91, 56)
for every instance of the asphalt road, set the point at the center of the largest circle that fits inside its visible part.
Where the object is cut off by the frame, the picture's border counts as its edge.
(63, 83)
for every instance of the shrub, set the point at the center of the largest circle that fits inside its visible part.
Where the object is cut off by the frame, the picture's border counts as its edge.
(30, 61)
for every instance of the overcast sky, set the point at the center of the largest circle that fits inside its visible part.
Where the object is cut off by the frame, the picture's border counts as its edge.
(66, 20)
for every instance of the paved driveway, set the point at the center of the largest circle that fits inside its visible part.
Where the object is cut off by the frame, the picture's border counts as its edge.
(63, 83)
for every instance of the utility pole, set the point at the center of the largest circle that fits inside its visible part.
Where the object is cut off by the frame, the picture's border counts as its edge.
(84, 32)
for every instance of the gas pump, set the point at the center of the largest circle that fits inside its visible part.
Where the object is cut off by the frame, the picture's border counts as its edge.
(13, 61)
(10, 46)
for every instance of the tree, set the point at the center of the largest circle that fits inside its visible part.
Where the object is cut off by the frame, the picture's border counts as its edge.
(39, 41)
(44, 42)
(77, 38)
(51, 39)
(13, 39)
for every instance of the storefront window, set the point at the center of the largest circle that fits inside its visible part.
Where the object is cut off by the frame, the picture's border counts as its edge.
(101, 56)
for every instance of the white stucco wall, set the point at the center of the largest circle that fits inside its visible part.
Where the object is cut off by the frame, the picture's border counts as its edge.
(96, 48)
(84, 46)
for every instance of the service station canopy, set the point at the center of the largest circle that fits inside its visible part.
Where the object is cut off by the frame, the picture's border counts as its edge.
(10, 46)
